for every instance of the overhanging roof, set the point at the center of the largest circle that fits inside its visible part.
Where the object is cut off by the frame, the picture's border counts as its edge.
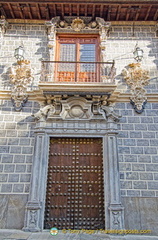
(110, 10)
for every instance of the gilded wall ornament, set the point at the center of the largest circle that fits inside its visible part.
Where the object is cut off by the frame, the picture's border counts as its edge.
(77, 24)
(137, 78)
(3, 25)
(20, 77)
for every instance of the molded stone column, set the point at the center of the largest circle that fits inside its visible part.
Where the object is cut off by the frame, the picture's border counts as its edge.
(35, 205)
(114, 211)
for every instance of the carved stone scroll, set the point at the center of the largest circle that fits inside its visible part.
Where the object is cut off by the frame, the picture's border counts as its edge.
(137, 77)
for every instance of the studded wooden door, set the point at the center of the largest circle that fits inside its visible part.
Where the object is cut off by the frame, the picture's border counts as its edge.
(75, 196)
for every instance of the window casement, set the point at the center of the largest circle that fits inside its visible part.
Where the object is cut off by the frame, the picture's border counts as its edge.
(77, 58)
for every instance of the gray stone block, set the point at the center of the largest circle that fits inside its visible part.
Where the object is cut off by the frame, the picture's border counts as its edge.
(132, 175)
(9, 168)
(130, 158)
(140, 185)
(15, 149)
(6, 188)
(146, 119)
(154, 142)
(126, 184)
(146, 176)
(150, 150)
(155, 176)
(125, 150)
(3, 141)
(23, 133)
(144, 158)
(155, 159)
(29, 167)
(29, 159)
(123, 134)
(24, 141)
(27, 188)
(13, 178)
(10, 125)
(151, 112)
(2, 125)
(138, 167)
(129, 142)
(133, 193)
(142, 142)
(20, 168)
(13, 141)
(153, 185)
(127, 127)
(1, 168)
(123, 192)
(25, 177)
(136, 150)
(2, 133)
(125, 166)
(18, 188)
(22, 126)
(152, 167)
(7, 158)
(148, 134)
(153, 127)
(11, 133)
(141, 127)
(19, 158)
(3, 177)
(154, 105)
(133, 119)
(135, 134)
(147, 193)
(27, 150)
(4, 149)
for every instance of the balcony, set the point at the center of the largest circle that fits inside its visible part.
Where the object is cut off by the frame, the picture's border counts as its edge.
(88, 77)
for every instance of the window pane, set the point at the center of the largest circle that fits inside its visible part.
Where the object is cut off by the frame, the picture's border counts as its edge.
(68, 54)
(87, 54)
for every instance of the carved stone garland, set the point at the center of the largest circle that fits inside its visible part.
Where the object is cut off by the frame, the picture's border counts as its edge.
(20, 77)
(137, 78)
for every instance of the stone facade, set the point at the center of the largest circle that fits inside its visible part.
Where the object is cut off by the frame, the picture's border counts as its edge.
(137, 133)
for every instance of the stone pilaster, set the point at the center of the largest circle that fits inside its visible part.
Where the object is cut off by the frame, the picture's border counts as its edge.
(116, 210)
(35, 205)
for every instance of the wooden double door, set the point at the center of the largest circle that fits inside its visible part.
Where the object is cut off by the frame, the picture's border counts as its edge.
(75, 195)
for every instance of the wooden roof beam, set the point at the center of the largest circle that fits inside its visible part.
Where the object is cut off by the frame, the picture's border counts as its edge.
(78, 10)
(70, 10)
(11, 10)
(21, 7)
(38, 11)
(93, 12)
(47, 12)
(2, 10)
(147, 15)
(156, 15)
(101, 10)
(128, 13)
(118, 12)
(137, 14)
(29, 11)
(109, 13)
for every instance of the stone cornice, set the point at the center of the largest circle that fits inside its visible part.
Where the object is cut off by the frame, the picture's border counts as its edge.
(116, 96)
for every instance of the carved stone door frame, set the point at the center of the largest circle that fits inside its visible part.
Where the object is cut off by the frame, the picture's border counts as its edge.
(100, 128)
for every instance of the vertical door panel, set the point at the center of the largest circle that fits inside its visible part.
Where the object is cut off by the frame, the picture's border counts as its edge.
(75, 184)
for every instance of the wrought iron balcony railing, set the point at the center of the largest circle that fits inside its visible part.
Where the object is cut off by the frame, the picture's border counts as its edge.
(77, 72)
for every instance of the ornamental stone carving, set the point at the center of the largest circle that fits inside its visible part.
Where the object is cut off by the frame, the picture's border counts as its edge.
(20, 78)
(3, 25)
(76, 108)
(137, 78)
